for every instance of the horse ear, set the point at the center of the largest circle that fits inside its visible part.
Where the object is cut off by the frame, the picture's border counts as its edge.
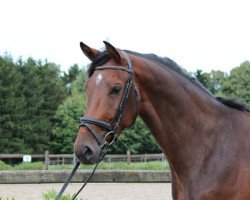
(112, 51)
(89, 52)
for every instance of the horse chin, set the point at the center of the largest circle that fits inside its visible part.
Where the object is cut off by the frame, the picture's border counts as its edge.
(89, 159)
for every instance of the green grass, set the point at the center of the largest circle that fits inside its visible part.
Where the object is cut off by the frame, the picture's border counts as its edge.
(154, 165)
(22, 166)
(51, 195)
(4, 166)
(29, 166)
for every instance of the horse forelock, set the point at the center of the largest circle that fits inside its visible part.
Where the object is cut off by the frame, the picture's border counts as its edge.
(101, 59)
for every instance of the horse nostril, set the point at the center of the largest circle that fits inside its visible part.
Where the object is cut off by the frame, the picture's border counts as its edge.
(87, 152)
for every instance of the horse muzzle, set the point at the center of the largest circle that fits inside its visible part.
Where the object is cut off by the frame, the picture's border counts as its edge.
(86, 149)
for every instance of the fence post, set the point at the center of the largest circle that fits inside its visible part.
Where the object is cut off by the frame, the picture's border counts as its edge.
(128, 157)
(46, 156)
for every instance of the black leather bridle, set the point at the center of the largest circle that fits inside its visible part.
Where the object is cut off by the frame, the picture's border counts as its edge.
(112, 126)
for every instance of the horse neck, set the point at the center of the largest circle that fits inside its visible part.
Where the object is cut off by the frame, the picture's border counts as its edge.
(178, 113)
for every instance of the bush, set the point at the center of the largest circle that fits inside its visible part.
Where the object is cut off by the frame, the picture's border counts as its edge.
(4, 166)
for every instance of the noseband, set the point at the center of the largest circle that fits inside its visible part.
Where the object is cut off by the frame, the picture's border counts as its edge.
(112, 127)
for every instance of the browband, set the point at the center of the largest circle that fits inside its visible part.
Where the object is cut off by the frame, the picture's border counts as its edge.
(115, 68)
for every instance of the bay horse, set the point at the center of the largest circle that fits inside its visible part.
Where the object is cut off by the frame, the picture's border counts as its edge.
(205, 139)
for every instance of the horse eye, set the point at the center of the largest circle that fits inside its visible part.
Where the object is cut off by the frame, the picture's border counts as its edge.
(115, 90)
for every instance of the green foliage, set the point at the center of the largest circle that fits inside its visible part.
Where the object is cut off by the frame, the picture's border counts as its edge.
(79, 82)
(151, 165)
(204, 79)
(213, 81)
(42, 119)
(238, 83)
(51, 195)
(4, 166)
(29, 166)
(217, 79)
(67, 118)
(12, 107)
(30, 93)
(70, 77)
(67, 123)
(23, 166)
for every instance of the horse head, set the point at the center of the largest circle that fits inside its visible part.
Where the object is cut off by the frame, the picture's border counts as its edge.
(112, 102)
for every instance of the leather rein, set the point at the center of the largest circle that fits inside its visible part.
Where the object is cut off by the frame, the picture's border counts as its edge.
(111, 127)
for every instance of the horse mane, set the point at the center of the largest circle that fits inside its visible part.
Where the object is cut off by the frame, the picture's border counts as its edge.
(167, 63)
(233, 103)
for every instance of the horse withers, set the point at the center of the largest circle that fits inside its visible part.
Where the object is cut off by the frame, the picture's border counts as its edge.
(205, 139)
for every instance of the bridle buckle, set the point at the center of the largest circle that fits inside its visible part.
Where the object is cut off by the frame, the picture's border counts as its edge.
(106, 143)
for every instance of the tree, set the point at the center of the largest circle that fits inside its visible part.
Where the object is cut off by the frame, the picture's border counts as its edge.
(12, 103)
(80, 80)
(69, 78)
(45, 93)
(204, 79)
(238, 83)
(67, 118)
(212, 81)
(67, 123)
(30, 92)
(217, 79)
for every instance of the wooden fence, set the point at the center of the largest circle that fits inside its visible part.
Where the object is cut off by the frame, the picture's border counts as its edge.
(55, 159)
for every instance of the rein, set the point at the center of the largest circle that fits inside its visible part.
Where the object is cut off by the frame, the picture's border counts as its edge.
(65, 185)
(111, 127)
